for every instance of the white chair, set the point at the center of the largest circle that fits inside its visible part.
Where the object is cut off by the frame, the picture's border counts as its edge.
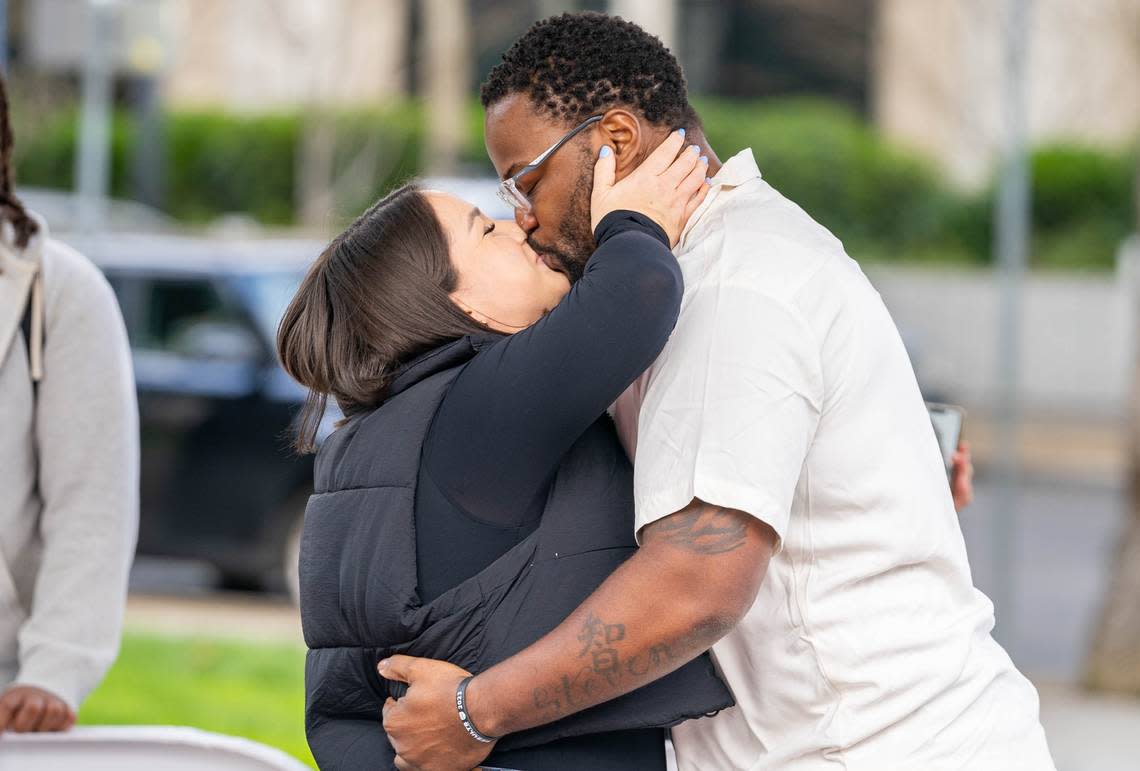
(139, 748)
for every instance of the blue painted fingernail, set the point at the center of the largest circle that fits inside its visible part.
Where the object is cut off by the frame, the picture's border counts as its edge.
(606, 152)
(708, 180)
(681, 131)
(694, 148)
(704, 159)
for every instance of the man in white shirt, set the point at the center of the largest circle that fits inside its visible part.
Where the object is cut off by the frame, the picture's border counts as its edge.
(791, 502)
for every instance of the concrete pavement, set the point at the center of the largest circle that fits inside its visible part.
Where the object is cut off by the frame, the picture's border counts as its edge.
(251, 618)
(1090, 732)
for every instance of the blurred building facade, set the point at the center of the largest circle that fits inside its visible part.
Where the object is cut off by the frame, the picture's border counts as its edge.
(927, 71)
(247, 56)
(937, 76)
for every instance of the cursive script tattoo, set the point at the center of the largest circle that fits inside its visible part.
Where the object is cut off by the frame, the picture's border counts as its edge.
(703, 529)
(604, 668)
(615, 657)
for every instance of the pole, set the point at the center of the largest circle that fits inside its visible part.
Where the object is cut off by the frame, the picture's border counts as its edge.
(446, 36)
(93, 162)
(1011, 246)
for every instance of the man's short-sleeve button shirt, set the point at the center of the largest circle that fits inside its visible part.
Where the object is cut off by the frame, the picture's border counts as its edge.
(785, 392)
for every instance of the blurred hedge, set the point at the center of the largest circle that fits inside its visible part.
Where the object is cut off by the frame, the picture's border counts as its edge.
(1082, 204)
(218, 163)
(876, 198)
(883, 202)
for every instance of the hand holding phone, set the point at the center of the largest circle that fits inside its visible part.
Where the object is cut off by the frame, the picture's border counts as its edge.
(947, 420)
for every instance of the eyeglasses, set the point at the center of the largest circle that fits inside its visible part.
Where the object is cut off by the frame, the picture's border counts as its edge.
(509, 191)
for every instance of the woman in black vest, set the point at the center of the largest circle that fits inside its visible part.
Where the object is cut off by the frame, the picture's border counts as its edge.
(477, 492)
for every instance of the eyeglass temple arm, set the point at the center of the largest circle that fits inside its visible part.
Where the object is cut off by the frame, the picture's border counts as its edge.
(550, 150)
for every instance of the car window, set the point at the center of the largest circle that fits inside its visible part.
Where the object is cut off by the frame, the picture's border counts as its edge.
(128, 291)
(268, 295)
(190, 317)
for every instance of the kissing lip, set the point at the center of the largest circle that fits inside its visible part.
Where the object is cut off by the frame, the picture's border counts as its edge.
(550, 262)
(549, 259)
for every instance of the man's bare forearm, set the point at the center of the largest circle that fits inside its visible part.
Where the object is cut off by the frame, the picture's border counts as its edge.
(694, 578)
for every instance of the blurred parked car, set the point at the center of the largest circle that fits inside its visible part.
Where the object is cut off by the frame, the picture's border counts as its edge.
(60, 209)
(480, 191)
(219, 481)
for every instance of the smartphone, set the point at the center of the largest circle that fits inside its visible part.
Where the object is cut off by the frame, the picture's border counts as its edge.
(947, 420)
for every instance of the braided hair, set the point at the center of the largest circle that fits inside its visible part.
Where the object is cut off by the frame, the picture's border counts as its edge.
(11, 210)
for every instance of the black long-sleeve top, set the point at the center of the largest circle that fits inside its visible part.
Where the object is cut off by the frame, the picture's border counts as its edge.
(513, 412)
(520, 404)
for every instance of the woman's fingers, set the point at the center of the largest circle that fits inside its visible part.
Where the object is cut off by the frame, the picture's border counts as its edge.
(662, 158)
(696, 201)
(695, 177)
(604, 170)
(693, 189)
(686, 161)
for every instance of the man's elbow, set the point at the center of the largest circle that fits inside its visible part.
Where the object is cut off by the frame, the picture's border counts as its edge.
(728, 602)
(711, 565)
(712, 602)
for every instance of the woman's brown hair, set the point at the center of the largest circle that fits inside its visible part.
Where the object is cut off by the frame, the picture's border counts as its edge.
(376, 297)
(11, 209)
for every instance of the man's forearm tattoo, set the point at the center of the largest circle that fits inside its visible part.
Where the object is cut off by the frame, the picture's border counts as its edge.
(606, 666)
(703, 529)
(603, 670)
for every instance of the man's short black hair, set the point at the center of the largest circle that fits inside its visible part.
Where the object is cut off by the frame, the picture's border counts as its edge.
(577, 65)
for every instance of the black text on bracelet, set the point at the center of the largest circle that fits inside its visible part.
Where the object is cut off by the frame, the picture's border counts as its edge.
(465, 718)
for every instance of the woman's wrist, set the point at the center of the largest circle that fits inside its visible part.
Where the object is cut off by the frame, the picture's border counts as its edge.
(623, 220)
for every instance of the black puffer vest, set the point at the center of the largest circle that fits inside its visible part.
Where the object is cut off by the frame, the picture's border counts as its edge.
(358, 577)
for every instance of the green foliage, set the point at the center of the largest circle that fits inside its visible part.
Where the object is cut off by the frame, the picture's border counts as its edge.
(46, 158)
(883, 202)
(1082, 205)
(244, 689)
(218, 163)
(375, 151)
(823, 157)
(1074, 184)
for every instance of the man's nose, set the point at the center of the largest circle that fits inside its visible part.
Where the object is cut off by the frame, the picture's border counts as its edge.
(511, 229)
(526, 220)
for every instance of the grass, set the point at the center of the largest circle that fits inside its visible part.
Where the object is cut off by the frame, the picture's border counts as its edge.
(244, 689)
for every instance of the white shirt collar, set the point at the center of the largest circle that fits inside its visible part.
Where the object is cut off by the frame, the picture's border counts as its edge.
(737, 170)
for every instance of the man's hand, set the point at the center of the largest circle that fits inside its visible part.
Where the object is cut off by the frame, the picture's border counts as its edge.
(962, 477)
(25, 708)
(424, 726)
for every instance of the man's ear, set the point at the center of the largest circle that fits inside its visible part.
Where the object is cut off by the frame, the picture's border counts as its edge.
(622, 131)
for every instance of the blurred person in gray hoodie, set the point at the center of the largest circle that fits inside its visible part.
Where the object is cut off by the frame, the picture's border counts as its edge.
(68, 469)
